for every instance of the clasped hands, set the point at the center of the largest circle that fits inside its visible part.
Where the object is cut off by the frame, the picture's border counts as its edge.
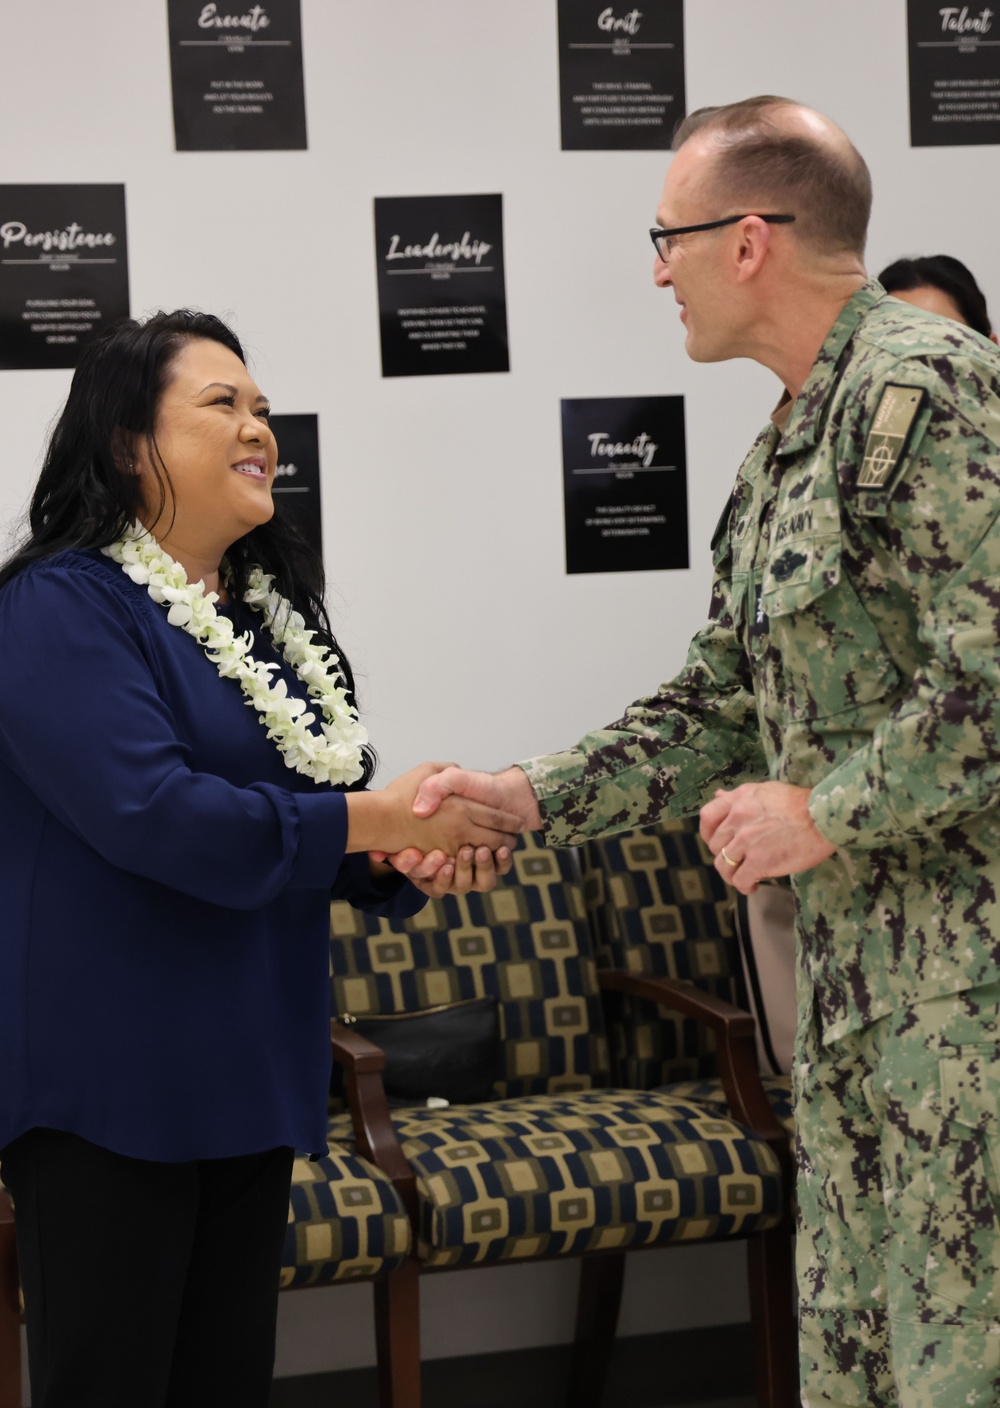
(758, 831)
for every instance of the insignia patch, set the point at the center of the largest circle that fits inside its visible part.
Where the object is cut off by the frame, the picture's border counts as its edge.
(886, 443)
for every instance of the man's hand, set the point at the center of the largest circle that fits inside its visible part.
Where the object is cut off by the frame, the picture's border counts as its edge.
(508, 791)
(760, 831)
(385, 822)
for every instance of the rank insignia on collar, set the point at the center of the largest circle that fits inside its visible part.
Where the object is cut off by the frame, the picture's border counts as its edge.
(894, 416)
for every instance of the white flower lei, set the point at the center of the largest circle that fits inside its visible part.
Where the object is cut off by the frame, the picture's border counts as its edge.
(333, 755)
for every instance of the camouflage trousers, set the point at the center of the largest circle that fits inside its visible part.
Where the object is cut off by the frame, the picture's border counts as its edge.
(898, 1252)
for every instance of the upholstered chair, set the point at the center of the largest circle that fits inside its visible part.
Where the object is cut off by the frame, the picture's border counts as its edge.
(556, 1160)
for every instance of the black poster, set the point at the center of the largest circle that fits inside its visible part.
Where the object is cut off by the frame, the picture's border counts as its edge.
(441, 296)
(954, 74)
(621, 75)
(296, 479)
(236, 72)
(63, 271)
(625, 484)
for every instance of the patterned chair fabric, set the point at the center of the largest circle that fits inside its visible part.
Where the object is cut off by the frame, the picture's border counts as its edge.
(527, 944)
(346, 1221)
(657, 906)
(602, 1170)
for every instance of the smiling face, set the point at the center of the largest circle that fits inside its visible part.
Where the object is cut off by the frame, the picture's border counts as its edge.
(696, 269)
(218, 451)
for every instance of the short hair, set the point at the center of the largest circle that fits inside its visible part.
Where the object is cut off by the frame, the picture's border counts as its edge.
(947, 274)
(762, 164)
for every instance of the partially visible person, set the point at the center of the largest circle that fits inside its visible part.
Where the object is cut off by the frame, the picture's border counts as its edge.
(181, 792)
(939, 284)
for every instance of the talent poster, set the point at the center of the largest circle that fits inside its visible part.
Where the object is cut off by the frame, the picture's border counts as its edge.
(441, 295)
(625, 484)
(63, 271)
(954, 55)
(236, 74)
(296, 478)
(621, 75)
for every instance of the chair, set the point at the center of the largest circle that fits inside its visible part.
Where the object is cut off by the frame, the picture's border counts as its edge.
(561, 1162)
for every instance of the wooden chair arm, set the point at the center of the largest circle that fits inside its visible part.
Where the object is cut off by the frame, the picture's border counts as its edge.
(378, 1142)
(736, 1050)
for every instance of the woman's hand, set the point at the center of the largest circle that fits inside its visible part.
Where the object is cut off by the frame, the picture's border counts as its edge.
(383, 822)
(437, 874)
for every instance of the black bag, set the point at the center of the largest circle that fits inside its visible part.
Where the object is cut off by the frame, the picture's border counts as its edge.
(451, 1051)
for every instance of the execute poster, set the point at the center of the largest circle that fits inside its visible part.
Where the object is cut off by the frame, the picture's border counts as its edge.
(621, 75)
(296, 478)
(625, 483)
(63, 271)
(441, 294)
(954, 53)
(236, 74)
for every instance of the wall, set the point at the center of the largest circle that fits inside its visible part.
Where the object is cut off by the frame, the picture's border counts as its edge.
(443, 500)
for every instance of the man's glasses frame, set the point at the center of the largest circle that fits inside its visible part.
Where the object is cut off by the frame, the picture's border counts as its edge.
(661, 238)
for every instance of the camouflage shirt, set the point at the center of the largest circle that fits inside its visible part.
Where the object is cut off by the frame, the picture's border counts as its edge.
(853, 648)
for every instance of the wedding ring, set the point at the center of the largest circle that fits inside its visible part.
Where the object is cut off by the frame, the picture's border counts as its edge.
(728, 859)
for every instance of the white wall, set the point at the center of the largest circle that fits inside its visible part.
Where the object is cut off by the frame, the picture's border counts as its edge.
(443, 497)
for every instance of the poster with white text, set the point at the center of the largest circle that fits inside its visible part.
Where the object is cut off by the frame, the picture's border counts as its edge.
(441, 293)
(954, 61)
(236, 75)
(296, 478)
(63, 271)
(621, 75)
(625, 484)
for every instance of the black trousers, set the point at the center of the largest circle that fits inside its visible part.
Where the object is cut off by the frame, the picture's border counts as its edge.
(147, 1285)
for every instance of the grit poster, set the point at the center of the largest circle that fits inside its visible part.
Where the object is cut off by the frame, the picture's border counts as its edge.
(621, 75)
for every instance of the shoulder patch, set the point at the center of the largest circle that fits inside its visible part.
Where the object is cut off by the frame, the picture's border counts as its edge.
(886, 444)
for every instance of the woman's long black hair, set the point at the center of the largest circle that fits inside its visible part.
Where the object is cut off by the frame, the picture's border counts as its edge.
(87, 493)
(950, 276)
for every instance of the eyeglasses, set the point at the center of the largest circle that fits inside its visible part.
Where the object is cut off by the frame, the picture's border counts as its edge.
(662, 238)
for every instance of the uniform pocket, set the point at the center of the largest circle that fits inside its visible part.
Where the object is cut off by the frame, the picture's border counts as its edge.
(825, 654)
(963, 1263)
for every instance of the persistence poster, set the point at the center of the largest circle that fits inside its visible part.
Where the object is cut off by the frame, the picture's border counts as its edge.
(441, 294)
(63, 271)
(954, 53)
(236, 73)
(621, 75)
(296, 478)
(625, 484)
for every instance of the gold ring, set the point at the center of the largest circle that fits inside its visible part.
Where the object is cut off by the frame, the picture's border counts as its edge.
(728, 859)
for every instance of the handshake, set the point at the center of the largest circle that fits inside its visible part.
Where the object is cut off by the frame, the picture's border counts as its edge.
(447, 829)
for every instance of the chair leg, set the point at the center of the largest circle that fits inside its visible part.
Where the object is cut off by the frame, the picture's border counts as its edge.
(10, 1312)
(772, 1311)
(397, 1337)
(600, 1297)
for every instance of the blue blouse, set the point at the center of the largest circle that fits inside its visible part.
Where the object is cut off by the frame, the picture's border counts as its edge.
(164, 884)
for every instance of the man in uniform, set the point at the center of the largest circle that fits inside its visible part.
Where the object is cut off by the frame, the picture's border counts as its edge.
(838, 720)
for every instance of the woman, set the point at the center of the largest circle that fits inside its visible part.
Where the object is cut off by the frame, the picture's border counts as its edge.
(181, 766)
(939, 284)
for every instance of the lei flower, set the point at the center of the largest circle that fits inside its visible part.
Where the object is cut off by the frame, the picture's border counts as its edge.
(333, 754)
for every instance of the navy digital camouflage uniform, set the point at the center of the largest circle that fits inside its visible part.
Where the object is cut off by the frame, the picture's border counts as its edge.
(853, 648)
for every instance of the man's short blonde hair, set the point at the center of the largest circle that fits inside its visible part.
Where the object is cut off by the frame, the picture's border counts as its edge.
(763, 163)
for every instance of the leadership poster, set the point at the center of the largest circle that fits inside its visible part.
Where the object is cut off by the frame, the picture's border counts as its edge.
(441, 292)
